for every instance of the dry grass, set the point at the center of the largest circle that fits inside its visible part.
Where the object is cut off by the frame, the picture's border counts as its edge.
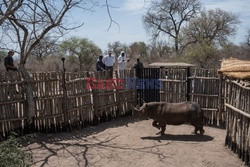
(236, 68)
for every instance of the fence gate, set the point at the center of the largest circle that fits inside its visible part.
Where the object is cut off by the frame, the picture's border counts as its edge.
(148, 90)
(203, 86)
(175, 84)
(206, 89)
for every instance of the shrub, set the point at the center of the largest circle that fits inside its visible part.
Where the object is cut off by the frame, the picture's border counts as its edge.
(11, 155)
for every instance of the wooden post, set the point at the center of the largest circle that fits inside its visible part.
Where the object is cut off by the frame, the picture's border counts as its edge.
(119, 74)
(162, 90)
(188, 84)
(64, 105)
(220, 100)
(95, 114)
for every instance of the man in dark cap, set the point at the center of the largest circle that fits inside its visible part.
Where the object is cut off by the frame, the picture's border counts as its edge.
(100, 66)
(9, 65)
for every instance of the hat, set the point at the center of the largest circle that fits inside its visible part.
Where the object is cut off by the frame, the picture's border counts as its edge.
(11, 51)
(110, 51)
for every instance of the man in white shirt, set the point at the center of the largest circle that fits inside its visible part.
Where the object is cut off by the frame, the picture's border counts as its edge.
(122, 62)
(109, 61)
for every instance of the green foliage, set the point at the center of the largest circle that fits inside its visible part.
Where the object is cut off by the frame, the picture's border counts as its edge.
(2, 55)
(117, 47)
(11, 155)
(84, 50)
(138, 49)
(205, 56)
(211, 27)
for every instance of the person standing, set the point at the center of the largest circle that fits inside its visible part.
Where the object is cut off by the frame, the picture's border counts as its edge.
(138, 66)
(122, 62)
(11, 70)
(109, 61)
(100, 66)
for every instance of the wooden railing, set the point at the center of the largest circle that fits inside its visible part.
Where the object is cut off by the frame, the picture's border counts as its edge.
(61, 103)
(204, 86)
(237, 106)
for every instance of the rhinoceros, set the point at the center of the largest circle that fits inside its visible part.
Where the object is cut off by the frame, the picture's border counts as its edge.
(164, 113)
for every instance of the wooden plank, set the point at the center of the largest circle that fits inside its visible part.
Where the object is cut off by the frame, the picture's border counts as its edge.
(205, 78)
(204, 95)
(238, 110)
(240, 85)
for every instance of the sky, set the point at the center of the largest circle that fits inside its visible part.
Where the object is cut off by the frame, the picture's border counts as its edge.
(128, 14)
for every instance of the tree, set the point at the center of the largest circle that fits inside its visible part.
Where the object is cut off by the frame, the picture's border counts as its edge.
(46, 47)
(247, 39)
(211, 27)
(8, 8)
(138, 49)
(167, 17)
(159, 49)
(86, 51)
(117, 47)
(32, 22)
(205, 56)
(2, 55)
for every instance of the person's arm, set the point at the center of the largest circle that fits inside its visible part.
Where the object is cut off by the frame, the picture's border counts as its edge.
(7, 64)
(120, 59)
(135, 65)
(102, 65)
(142, 65)
(114, 60)
(97, 65)
(104, 60)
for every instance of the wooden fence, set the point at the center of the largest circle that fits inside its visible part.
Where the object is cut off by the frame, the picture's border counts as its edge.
(237, 107)
(203, 86)
(62, 102)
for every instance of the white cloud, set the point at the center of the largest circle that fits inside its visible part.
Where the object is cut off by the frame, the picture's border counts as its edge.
(235, 6)
(134, 5)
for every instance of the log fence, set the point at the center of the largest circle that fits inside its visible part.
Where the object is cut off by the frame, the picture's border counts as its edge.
(203, 86)
(237, 107)
(62, 102)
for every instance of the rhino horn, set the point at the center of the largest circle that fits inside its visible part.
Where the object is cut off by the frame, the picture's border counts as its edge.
(136, 109)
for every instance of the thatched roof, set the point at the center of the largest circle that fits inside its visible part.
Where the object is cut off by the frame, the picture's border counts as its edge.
(236, 68)
(159, 64)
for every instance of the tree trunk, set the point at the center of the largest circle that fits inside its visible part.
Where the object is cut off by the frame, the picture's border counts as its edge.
(29, 95)
(176, 45)
(80, 63)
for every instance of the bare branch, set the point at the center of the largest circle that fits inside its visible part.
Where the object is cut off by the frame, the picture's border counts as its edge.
(110, 16)
(10, 8)
(168, 16)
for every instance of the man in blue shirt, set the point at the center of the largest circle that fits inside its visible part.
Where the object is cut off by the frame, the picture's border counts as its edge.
(109, 61)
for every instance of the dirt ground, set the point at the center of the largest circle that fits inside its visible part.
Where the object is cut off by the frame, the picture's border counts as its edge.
(128, 142)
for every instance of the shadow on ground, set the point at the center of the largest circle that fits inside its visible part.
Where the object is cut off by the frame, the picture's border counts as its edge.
(196, 138)
(60, 142)
(79, 134)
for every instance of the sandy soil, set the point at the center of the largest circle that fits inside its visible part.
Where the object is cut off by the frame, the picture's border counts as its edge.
(128, 142)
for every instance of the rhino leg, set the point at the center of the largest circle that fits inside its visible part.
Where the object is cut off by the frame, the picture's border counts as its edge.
(202, 131)
(196, 130)
(199, 129)
(155, 124)
(163, 128)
